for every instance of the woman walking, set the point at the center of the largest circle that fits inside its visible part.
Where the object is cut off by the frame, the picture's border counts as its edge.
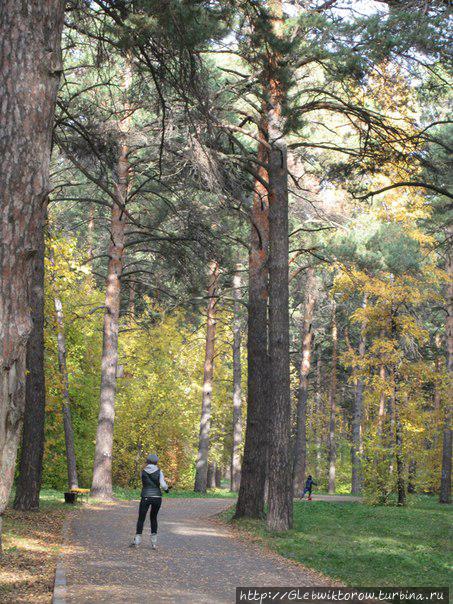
(153, 482)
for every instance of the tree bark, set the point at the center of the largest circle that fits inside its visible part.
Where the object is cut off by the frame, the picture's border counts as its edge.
(250, 502)
(398, 425)
(91, 232)
(280, 514)
(73, 482)
(30, 67)
(437, 391)
(400, 481)
(318, 409)
(412, 475)
(210, 479)
(28, 483)
(332, 404)
(381, 411)
(237, 389)
(131, 309)
(218, 477)
(357, 436)
(300, 446)
(201, 473)
(102, 473)
(102, 487)
(445, 480)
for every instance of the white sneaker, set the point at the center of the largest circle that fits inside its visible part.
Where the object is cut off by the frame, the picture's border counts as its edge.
(153, 540)
(136, 542)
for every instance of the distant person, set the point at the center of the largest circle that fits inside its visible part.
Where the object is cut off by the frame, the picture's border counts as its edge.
(308, 487)
(153, 482)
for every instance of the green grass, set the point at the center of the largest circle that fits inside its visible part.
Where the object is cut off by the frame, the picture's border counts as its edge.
(368, 546)
(55, 498)
(122, 493)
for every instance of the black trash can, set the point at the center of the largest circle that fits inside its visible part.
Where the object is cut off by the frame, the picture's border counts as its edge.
(70, 497)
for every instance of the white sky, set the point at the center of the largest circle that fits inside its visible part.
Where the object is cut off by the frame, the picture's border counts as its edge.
(364, 7)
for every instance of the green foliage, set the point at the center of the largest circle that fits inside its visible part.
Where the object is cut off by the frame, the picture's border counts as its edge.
(70, 279)
(399, 253)
(159, 399)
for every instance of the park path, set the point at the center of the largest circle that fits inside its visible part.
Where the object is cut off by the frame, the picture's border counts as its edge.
(199, 560)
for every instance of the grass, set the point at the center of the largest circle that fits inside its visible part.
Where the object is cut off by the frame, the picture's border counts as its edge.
(31, 542)
(350, 542)
(128, 494)
(361, 545)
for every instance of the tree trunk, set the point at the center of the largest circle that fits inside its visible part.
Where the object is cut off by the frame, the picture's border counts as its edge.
(332, 404)
(102, 472)
(30, 67)
(218, 477)
(445, 480)
(66, 404)
(210, 478)
(412, 474)
(250, 502)
(201, 473)
(131, 309)
(400, 482)
(437, 392)
(398, 425)
(280, 514)
(381, 412)
(28, 483)
(227, 473)
(91, 232)
(300, 447)
(318, 408)
(237, 390)
(357, 437)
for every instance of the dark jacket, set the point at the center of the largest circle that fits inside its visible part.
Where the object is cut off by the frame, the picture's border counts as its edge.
(309, 484)
(153, 482)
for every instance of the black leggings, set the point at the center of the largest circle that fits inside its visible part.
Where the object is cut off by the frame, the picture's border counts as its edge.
(145, 503)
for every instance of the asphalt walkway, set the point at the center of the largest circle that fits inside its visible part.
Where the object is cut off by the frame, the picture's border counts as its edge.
(198, 561)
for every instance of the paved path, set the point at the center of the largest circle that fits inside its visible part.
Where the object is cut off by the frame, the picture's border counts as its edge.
(199, 561)
(336, 498)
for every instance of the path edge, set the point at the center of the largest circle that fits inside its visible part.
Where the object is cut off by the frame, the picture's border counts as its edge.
(60, 583)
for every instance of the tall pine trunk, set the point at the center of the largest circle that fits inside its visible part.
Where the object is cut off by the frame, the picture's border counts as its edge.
(66, 403)
(399, 453)
(201, 473)
(102, 472)
(101, 486)
(319, 411)
(300, 447)
(280, 514)
(437, 390)
(90, 234)
(28, 482)
(332, 449)
(30, 68)
(397, 422)
(250, 502)
(445, 480)
(357, 436)
(237, 389)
